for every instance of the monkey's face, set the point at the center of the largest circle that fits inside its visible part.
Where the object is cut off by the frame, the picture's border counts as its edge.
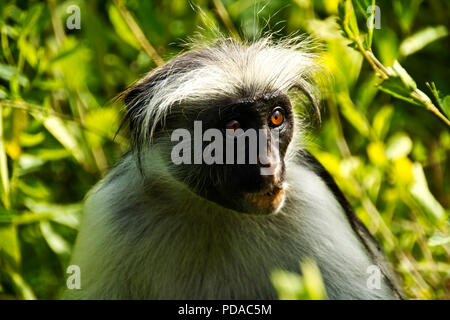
(234, 152)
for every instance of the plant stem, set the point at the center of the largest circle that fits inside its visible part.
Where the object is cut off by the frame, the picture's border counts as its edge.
(225, 17)
(137, 31)
(423, 99)
(384, 73)
(4, 164)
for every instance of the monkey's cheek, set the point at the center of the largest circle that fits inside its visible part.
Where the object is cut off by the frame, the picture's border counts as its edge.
(266, 203)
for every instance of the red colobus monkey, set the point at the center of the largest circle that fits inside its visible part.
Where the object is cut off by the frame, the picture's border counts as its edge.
(156, 229)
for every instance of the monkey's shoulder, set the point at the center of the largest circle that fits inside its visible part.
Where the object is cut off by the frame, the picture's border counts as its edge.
(307, 161)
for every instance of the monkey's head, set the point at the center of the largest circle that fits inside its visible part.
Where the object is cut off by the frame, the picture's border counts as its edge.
(221, 121)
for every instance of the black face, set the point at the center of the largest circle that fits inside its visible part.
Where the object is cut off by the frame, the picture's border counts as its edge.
(256, 185)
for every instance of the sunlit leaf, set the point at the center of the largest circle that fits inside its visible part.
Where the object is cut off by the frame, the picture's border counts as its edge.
(57, 243)
(421, 39)
(349, 166)
(362, 6)
(62, 133)
(104, 121)
(3, 93)
(405, 12)
(9, 244)
(28, 162)
(395, 87)
(68, 214)
(403, 75)
(32, 14)
(347, 14)
(73, 62)
(372, 181)
(291, 286)
(8, 72)
(438, 239)
(358, 121)
(31, 140)
(403, 170)
(23, 287)
(344, 63)
(382, 120)
(29, 52)
(121, 27)
(313, 280)
(387, 47)
(288, 285)
(446, 106)
(376, 153)
(420, 191)
(13, 149)
(51, 154)
(398, 146)
(34, 188)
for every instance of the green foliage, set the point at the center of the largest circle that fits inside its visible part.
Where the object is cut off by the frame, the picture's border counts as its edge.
(57, 125)
(291, 286)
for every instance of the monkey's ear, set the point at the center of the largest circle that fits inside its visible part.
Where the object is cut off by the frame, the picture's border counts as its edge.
(134, 98)
(137, 108)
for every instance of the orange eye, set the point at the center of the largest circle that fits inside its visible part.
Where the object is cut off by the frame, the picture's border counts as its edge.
(277, 118)
(232, 124)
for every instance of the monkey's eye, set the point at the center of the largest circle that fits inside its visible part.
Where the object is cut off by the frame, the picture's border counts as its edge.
(232, 124)
(276, 118)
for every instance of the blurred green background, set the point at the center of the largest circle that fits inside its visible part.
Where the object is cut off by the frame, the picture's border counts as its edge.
(57, 122)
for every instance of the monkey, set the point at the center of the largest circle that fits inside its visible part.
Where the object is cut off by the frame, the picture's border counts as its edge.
(155, 229)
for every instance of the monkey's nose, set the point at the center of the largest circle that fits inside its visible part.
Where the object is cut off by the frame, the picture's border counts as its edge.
(271, 170)
(265, 165)
(266, 162)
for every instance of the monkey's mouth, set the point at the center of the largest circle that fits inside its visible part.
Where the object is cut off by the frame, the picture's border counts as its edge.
(267, 201)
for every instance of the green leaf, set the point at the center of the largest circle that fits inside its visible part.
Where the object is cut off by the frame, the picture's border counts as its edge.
(438, 239)
(382, 120)
(25, 290)
(369, 36)
(421, 193)
(25, 218)
(421, 39)
(446, 106)
(313, 281)
(9, 72)
(32, 15)
(406, 79)
(68, 215)
(34, 188)
(398, 146)
(9, 244)
(289, 285)
(104, 121)
(51, 154)
(121, 27)
(3, 93)
(362, 6)
(57, 243)
(400, 84)
(28, 162)
(74, 62)
(31, 140)
(387, 47)
(348, 19)
(28, 51)
(63, 134)
(348, 110)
